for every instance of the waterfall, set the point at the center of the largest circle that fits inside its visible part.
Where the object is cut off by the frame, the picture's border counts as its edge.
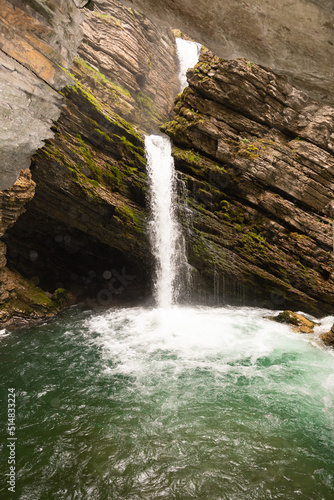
(163, 228)
(167, 243)
(188, 53)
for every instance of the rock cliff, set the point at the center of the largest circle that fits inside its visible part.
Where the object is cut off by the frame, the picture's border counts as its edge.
(37, 39)
(295, 39)
(256, 156)
(85, 228)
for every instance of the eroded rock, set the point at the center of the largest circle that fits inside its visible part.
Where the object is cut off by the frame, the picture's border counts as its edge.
(13, 200)
(295, 39)
(256, 156)
(37, 40)
(299, 323)
(28, 108)
(328, 337)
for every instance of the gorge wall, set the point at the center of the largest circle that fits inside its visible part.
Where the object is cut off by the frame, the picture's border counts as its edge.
(295, 39)
(84, 229)
(256, 156)
(37, 39)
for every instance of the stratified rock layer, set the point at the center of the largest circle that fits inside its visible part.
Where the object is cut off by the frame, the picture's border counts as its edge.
(87, 220)
(12, 205)
(295, 39)
(257, 159)
(85, 228)
(37, 39)
(298, 322)
(133, 59)
(27, 109)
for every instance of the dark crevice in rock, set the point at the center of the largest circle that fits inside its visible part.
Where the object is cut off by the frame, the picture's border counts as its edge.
(53, 255)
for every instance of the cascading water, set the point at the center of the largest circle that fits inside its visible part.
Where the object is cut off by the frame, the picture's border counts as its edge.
(163, 228)
(188, 53)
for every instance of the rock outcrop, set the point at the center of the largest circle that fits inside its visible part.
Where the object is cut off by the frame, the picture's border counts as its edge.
(256, 156)
(85, 229)
(12, 205)
(126, 59)
(295, 39)
(37, 39)
(298, 322)
(328, 337)
(19, 298)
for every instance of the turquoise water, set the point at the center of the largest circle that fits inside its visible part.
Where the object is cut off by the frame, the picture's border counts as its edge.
(189, 403)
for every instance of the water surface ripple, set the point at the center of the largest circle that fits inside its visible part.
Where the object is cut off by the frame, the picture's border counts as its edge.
(186, 403)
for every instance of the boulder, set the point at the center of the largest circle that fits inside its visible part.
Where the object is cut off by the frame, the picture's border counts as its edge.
(299, 323)
(328, 337)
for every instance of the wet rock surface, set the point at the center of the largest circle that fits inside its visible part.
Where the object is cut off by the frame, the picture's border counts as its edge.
(256, 157)
(85, 229)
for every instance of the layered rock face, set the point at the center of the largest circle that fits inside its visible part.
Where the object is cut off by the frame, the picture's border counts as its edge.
(256, 156)
(37, 39)
(85, 228)
(295, 39)
(124, 50)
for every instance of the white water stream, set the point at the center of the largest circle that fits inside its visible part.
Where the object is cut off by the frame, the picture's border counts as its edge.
(188, 53)
(164, 229)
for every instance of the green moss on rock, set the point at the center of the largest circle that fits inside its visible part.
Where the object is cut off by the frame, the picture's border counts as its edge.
(25, 301)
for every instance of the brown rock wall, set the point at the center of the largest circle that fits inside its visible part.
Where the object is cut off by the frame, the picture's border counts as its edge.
(257, 158)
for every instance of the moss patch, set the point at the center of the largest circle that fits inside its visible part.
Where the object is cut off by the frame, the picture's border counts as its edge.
(25, 302)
